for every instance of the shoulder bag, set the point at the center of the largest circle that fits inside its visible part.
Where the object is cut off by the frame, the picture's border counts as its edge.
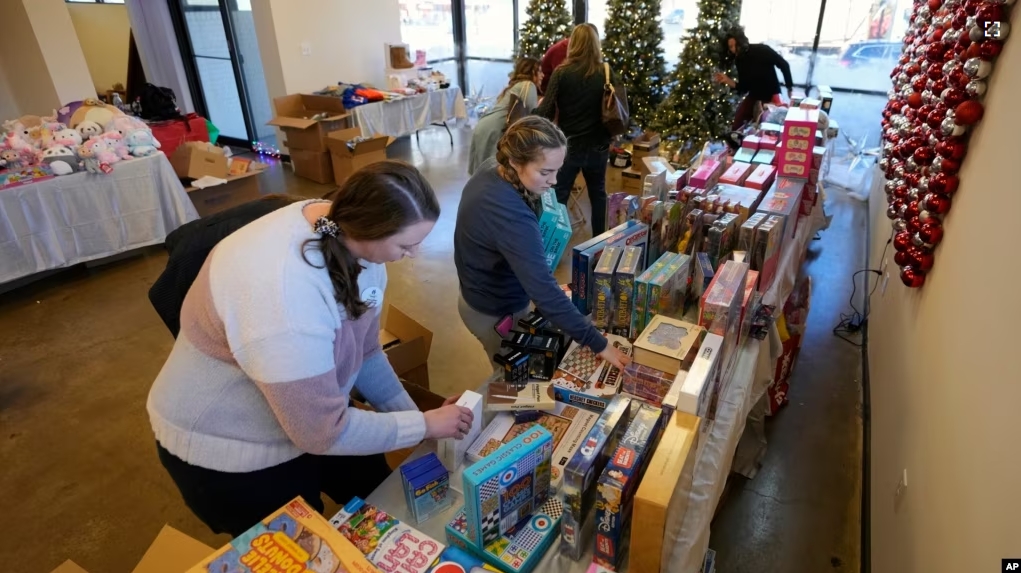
(616, 116)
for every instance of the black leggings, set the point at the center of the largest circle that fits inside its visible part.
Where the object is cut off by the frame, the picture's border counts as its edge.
(234, 502)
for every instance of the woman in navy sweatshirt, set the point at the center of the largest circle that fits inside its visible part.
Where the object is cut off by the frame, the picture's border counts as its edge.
(498, 251)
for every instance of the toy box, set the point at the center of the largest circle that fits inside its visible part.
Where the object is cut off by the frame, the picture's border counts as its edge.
(457, 560)
(662, 498)
(517, 340)
(514, 364)
(692, 391)
(653, 214)
(617, 484)
(707, 175)
(641, 297)
(704, 273)
(602, 277)
(761, 178)
(628, 269)
(559, 238)
(720, 238)
(737, 173)
(770, 142)
(666, 342)
(548, 215)
(668, 289)
(586, 255)
(745, 154)
(746, 235)
(385, 541)
(295, 533)
(764, 157)
(585, 466)
(503, 397)
(516, 552)
(784, 200)
(751, 142)
(768, 246)
(671, 225)
(648, 384)
(533, 323)
(691, 236)
(567, 424)
(720, 309)
(587, 380)
(544, 353)
(426, 482)
(620, 208)
(451, 451)
(654, 184)
(743, 201)
(506, 487)
(749, 302)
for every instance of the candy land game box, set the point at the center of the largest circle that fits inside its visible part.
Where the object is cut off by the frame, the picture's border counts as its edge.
(506, 487)
(518, 551)
(585, 379)
(388, 543)
(294, 538)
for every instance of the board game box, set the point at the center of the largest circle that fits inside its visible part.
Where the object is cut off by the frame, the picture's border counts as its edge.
(668, 289)
(581, 472)
(615, 492)
(768, 246)
(506, 487)
(296, 534)
(720, 238)
(450, 450)
(653, 213)
(586, 255)
(387, 542)
(704, 273)
(548, 215)
(567, 424)
(559, 238)
(641, 297)
(665, 343)
(585, 379)
(692, 391)
(746, 235)
(515, 552)
(648, 384)
(426, 483)
(457, 560)
(503, 397)
(628, 269)
(602, 276)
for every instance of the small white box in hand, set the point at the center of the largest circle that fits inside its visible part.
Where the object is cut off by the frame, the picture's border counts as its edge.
(451, 451)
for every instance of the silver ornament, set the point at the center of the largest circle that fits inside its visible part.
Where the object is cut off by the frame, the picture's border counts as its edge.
(900, 182)
(923, 185)
(976, 34)
(899, 224)
(914, 194)
(899, 173)
(950, 128)
(971, 22)
(889, 187)
(888, 149)
(975, 88)
(917, 241)
(951, 36)
(937, 166)
(884, 164)
(928, 97)
(950, 5)
(933, 140)
(977, 68)
(926, 216)
(901, 80)
(891, 212)
(911, 166)
(949, 67)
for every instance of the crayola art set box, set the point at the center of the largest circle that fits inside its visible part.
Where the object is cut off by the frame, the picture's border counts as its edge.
(515, 552)
(506, 487)
(587, 380)
(387, 542)
(294, 537)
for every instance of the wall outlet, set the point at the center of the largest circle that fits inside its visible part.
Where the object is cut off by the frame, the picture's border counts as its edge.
(900, 490)
(306, 49)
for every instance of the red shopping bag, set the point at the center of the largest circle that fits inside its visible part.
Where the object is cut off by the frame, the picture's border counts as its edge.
(174, 132)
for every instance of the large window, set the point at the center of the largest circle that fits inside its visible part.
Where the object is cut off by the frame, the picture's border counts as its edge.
(860, 42)
(428, 26)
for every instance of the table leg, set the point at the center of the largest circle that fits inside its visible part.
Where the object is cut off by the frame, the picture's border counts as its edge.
(450, 135)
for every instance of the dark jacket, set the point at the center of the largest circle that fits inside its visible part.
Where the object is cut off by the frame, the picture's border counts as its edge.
(575, 102)
(501, 264)
(756, 73)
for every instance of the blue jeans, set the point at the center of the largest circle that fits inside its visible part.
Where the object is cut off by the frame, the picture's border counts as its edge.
(592, 164)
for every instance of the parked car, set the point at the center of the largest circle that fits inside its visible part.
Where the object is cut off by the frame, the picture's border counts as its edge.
(870, 53)
(675, 18)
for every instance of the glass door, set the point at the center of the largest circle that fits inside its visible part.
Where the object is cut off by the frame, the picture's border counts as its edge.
(490, 38)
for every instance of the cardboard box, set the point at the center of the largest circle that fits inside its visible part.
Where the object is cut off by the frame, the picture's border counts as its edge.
(451, 450)
(737, 174)
(410, 357)
(614, 179)
(238, 190)
(666, 342)
(761, 178)
(348, 157)
(784, 199)
(314, 165)
(645, 145)
(632, 180)
(662, 499)
(196, 159)
(294, 117)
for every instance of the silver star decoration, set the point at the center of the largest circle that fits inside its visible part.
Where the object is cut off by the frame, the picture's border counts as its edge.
(477, 103)
(858, 154)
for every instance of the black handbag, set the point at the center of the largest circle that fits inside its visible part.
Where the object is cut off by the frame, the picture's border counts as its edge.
(616, 116)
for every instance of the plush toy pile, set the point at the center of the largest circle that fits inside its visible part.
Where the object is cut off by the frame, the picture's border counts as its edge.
(83, 136)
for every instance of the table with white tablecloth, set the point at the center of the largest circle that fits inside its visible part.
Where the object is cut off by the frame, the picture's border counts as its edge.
(408, 115)
(83, 217)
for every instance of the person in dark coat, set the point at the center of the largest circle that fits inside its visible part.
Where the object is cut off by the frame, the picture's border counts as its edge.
(756, 76)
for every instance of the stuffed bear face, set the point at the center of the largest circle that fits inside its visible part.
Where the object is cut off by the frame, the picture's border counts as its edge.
(68, 137)
(57, 151)
(89, 129)
(86, 152)
(9, 155)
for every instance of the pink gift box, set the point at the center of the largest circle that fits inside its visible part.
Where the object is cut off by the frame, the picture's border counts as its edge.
(737, 174)
(751, 142)
(707, 175)
(768, 142)
(801, 124)
(761, 178)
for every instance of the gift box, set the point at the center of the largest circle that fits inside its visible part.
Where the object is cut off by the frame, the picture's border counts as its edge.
(761, 178)
(826, 98)
(784, 200)
(544, 353)
(769, 142)
(560, 238)
(768, 246)
(720, 238)
(653, 213)
(737, 174)
(751, 142)
(647, 383)
(764, 157)
(742, 201)
(629, 268)
(529, 396)
(707, 175)
(602, 278)
(641, 297)
(746, 154)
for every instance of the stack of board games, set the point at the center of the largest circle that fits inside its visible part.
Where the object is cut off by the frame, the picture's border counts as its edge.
(384, 540)
(618, 483)
(628, 269)
(507, 487)
(518, 551)
(602, 277)
(295, 533)
(426, 484)
(662, 498)
(567, 425)
(641, 296)
(504, 397)
(668, 288)
(537, 325)
(580, 475)
(587, 380)
(665, 343)
(515, 365)
(450, 450)
(720, 312)
(720, 238)
(586, 255)
(543, 356)
(653, 214)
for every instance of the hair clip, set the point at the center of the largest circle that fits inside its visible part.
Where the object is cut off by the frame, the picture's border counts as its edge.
(327, 227)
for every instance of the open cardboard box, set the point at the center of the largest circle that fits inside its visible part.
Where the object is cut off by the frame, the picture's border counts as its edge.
(196, 159)
(347, 160)
(238, 189)
(171, 552)
(410, 356)
(294, 116)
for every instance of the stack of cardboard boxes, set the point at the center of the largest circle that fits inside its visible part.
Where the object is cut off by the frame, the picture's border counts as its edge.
(239, 181)
(306, 120)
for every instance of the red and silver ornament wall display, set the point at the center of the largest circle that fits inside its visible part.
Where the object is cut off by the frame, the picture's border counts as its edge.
(938, 86)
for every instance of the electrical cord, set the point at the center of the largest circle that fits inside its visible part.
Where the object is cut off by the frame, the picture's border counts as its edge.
(853, 323)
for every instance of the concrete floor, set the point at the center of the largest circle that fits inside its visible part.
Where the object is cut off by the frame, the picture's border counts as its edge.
(78, 352)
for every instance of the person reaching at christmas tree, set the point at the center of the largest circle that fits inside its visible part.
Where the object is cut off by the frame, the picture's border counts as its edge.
(498, 251)
(756, 76)
(522, 94)
(575, 99)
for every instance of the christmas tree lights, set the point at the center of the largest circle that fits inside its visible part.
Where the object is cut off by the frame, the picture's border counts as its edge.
(633, 47)
(548, 22)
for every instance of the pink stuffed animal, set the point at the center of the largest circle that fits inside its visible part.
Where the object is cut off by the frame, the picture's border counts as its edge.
(102, 151)
(115, 142)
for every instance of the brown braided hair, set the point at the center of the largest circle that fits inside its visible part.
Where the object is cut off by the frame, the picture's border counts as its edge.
(376, 202)
(525, 141)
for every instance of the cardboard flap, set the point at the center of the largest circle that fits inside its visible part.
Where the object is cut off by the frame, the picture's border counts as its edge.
(172, 552)
(336, 141)
(293, 122)
(375, 144)
(72, 567)
(416, 340)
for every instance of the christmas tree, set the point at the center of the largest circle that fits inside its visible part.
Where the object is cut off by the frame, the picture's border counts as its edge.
(633, 47)
(548, 22)
(697, 109)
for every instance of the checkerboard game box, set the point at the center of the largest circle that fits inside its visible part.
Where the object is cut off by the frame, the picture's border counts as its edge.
(566, 423)
(518, 551)
(585, 379)
(505, 488)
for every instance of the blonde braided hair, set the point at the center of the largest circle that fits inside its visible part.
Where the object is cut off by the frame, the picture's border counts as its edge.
(524, 142)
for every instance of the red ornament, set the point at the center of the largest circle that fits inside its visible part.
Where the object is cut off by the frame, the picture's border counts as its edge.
(902, 241)
(973, 51)
(924, 155)
(936, 53)
(989, 13)
(911, 210)
(954, 97)
(968, 112)
(911, 277)
(938, 86)
(912, 69)
(915, 100)
(919, 83)
(921, 259)
(914, 225)
(935, 5)
(936, 35)
(935, 118)
(955, 148)
(936, 203)
(944, 184)
(930, 234)
(989, 49)
(935, 71)
(947, 165)
(912, 179)
(903, 258)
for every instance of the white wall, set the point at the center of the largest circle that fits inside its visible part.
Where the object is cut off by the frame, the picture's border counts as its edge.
(945, 371)
(103, 31)
(31, 86)
(8, 106)
(58, 41)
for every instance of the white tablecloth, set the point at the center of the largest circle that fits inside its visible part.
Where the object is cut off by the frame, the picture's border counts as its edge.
(408, 115)
(82, 217)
